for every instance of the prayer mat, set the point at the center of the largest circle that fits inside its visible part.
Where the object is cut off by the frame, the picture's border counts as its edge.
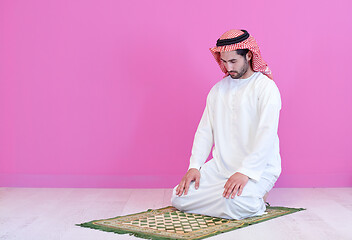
(170, 223)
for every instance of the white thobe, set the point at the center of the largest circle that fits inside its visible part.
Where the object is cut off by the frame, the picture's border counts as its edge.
(240, 123)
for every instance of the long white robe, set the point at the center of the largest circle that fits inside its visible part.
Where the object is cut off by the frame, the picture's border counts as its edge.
(241, 121)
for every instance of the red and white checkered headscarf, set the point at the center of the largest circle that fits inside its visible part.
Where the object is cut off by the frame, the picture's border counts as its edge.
(258, 64)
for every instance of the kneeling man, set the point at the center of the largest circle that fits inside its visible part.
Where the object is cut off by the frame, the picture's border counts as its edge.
(240, 123)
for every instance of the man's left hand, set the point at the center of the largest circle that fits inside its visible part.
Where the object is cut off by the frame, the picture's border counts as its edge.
(235, 183)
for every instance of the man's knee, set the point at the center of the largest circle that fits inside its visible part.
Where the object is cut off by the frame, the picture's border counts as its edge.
(183, 202)
(246, 206)
(175, 199)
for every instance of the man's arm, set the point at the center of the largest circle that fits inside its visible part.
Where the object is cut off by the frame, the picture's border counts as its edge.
(262, 149)
(266, 133)
(204, 138)
(202, 144)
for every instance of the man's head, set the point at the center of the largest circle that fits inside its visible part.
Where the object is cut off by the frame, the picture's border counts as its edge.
(237, 63)
(239, 43)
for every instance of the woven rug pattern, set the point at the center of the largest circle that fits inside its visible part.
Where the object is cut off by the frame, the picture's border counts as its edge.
(170, 223)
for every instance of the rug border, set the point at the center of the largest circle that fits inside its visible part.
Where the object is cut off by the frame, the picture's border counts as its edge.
(148, 236)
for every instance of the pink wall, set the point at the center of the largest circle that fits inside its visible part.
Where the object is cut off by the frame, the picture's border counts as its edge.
(109, 93)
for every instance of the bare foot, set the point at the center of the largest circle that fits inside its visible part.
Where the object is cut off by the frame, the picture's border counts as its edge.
(265, 196)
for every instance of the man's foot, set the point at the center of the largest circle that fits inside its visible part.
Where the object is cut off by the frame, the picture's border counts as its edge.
(265, 196)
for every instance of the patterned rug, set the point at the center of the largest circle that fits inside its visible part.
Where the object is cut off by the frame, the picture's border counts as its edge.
(170, 223)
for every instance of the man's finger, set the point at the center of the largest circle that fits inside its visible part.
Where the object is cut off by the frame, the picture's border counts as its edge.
(224, 193)
(197, 183)
(229, 190)
(187, 186)
(226, 186)
(240, 190)
(180, 191)
(234, 190)
(180, 188)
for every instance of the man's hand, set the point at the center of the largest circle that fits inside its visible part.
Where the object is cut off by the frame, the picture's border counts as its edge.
(192, 174)
(235, 183)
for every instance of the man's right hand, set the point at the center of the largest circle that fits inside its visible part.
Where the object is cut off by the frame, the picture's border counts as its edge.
(192, 174)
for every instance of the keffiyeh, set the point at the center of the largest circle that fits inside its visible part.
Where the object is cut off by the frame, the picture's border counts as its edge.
(240, 39)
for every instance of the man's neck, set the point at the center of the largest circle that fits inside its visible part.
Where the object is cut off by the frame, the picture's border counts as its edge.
(248, 73)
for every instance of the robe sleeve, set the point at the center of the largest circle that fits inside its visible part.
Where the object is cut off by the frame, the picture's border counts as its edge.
(204, 138)
(262, 150)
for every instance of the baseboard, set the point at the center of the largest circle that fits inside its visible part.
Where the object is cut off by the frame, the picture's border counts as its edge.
(156, 181)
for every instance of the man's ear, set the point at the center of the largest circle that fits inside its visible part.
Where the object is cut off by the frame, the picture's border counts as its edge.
(249, 55)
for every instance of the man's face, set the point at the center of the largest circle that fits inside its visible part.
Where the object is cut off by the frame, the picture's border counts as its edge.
(236, 65)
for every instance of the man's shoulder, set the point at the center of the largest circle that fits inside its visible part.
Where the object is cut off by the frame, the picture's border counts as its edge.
(264, 82)
(220, 83)
(213, 93)
(262, 78)
(266, 88)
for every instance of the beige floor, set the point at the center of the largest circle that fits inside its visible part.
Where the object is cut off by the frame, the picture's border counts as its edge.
(51, 213)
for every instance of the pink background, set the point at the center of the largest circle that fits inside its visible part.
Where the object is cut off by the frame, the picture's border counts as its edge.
(110, 93)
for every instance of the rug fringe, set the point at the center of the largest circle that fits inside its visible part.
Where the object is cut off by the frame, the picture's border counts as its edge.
(148, 236)
(119, 231)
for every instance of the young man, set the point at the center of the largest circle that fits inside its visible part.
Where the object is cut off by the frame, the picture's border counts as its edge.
(240, 120)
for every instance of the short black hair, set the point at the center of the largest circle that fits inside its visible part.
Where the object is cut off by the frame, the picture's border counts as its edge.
(242, 52)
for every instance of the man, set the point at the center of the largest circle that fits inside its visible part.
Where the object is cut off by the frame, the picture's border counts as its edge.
(240, 120)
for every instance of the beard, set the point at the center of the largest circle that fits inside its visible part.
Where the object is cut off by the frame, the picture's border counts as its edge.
(242, 72)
